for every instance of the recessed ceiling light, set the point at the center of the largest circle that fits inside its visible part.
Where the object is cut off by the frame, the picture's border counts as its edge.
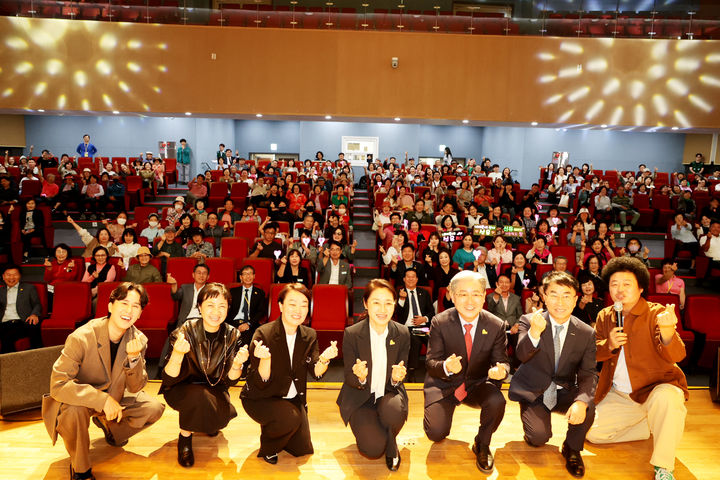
(534, 124)
(675, 128)
(564, 129)
(603, 126)
(41, 109)
(328, 117)
(258, 115)
(115, 112)
(397, 119)
(188, 113)
(466, 121)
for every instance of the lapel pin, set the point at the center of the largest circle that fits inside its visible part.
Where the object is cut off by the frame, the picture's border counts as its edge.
(484, 332)
(392, 342)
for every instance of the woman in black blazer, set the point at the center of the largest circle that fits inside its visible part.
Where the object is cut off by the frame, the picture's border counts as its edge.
(282, 354)
(32, 224)
(290, 270)
(373, 397)
(521, 275)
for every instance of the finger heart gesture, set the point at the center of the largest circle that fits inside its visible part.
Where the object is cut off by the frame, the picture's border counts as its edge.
(261, 351)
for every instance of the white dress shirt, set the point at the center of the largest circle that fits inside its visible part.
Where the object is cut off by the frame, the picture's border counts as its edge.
(621, 377)
(11, 308)
(194, 312)
(378, 352)
(334, 273)
(472, 336)
(563, 335)
(290, 339)
(714, 250)
(401, 302)
(241, 314)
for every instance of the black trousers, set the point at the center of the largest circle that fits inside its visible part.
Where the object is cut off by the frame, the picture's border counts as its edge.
(416, 343)
(26, 239)
(10, 332)
(535, 418)
(692, 247)
(283, 425)
(485, 396)
(202, 408)
(376, 425)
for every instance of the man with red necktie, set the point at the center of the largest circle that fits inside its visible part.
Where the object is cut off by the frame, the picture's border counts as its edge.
(466, 363)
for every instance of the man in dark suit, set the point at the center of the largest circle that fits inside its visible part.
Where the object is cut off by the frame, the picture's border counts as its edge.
(20, 310)
(373, 397)
(466, 363)
(331, 269)
(506, 306)
(397, 270)
(414, 309)
(249, 305)
(557, 352)
(187, 294)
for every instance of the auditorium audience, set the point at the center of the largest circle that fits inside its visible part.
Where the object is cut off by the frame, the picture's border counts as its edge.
(143, 271)
(20, 311)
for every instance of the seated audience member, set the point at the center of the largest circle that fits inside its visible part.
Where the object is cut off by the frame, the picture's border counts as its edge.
(184, 228)
(577, 238)
(32, 225)
(153, 230)
(534, 301)
(623, 206)
(9, 192)
(148, 175)
(414, 309)
(557, 373)
(92, 194)
(99, 270)
(331, 269)
(539, 254)
(102, 238)
(199, 248)
(198, 212)
(407, 260)
(69, 193)
(465, 254)
(334, 223)
(348, 250)
(489, 273)
(228, 214)
(129, 246)
(248, 306)
(373, 399)
(268, 244)
(499, 256)
(442, 273)
(100, 375)
(50, 189)
(682, 233)
(271, 396)
(215, 230)
(167, 246)
(143, 271)
(634, 248)
(643, 392)
(115, 194)
(291, 271)
(506, 306)
(668, 283)
(62, 268)
(197, 377)
(178, 210)
(419, 214)
(603, 205)
(598, 248)
(117, 228)
(20, 311)
(466, 366)
(520, 273)
(587, 305)
(250, 215)
(393, 251)
(187, 293)
(710, 245)
(546, 231)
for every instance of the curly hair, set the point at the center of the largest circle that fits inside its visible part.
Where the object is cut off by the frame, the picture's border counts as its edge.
(631, 265)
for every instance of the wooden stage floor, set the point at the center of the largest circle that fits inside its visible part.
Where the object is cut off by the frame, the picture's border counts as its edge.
(26, 453)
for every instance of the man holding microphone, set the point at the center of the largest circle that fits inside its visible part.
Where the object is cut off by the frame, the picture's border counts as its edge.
(641, 390)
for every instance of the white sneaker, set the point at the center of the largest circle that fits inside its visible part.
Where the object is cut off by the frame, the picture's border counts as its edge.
(663, 474)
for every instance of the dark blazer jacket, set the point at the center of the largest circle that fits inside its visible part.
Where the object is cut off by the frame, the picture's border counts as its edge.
(399, 273)
(28, 302)
(356, 344)
(305, 356)
(184, 294)
(492, 275)
(446, 338)
(518, 287)
(258, 306)
(514, 310)
(37, 217)
(324, 271)
(576, 368)
(425, 304)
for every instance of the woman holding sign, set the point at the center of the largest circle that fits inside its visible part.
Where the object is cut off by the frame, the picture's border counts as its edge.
(282, 354)
(206, 360)
(373, 399)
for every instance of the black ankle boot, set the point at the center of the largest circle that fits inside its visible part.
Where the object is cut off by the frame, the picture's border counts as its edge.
(185, 452)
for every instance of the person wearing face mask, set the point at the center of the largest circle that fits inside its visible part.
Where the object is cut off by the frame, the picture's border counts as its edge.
(634, 248)
(153, 230)
(174, 214)
(117, 228)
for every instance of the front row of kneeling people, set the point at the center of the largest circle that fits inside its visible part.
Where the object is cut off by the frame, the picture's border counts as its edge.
(640, 391)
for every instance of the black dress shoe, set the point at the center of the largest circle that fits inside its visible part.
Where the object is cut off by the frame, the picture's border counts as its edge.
(573, 461)
(109, 438)
(483, 458)
(185, 452)
(214, 434)
(271, 459)
(81, 476)
(393, 463)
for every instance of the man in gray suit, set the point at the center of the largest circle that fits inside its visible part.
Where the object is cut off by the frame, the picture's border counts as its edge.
(331, 269)
(557, 351)
(100, 375)
(187, 294)
(20, 310)
(507, 306)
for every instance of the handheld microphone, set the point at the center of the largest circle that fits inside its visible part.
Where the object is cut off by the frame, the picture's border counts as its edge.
(618, 307)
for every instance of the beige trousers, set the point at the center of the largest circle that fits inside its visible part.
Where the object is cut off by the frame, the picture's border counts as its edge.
(620, 419)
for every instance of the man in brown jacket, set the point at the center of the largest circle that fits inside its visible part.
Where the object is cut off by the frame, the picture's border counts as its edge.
(641, 390)
(100, 375)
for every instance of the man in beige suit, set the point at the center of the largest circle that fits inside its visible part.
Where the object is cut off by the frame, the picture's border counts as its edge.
(100, 375)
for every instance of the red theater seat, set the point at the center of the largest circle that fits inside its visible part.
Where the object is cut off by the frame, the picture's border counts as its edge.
(274, 309)
(71, 305)
(234, 247)
(222, 269)
(247, 230)
(329, 313)
(687, 337)
(160, 312)
(701, 315)
(181, 268)
(264, 271)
